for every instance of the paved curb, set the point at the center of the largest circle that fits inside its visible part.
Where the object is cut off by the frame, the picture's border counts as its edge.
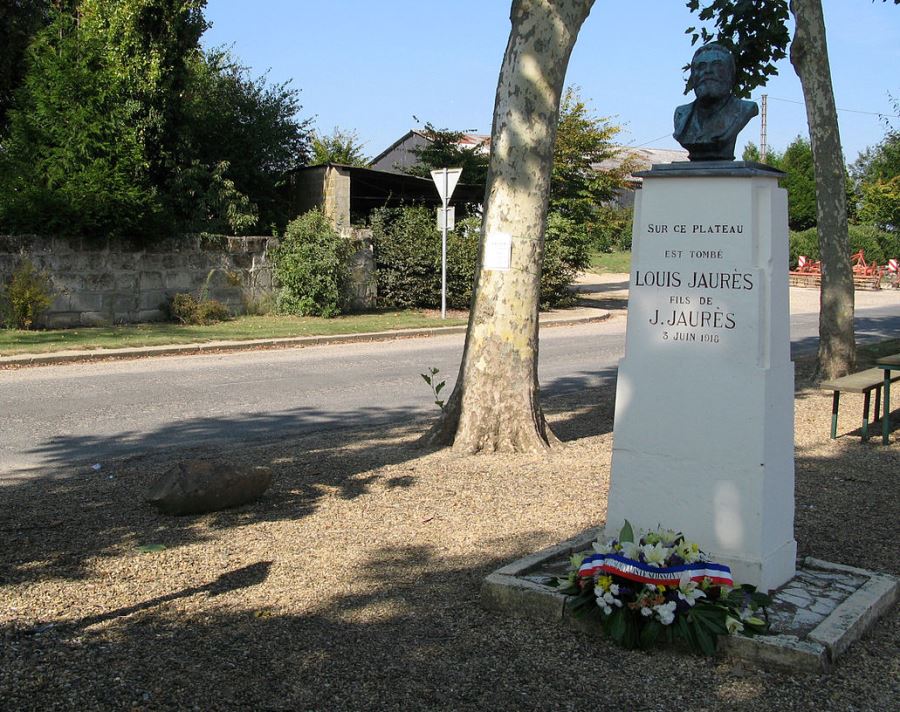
(62, 357)
(516, 589)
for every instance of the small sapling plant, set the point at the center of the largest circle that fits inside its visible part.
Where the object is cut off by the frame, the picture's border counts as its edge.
(436, 387)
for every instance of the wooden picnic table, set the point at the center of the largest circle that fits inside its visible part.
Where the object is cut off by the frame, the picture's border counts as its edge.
(888, 364)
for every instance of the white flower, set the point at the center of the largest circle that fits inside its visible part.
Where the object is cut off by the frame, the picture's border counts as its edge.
(733, 625)
(631, 550)
(602, 547)
(654, 554)
(665, 612)
(646, 611)
(688, 590)
(614, 589)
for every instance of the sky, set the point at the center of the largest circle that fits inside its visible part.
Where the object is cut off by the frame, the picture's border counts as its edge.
(381, 68)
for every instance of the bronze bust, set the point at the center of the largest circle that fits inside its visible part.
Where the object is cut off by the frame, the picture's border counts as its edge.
(708, 127)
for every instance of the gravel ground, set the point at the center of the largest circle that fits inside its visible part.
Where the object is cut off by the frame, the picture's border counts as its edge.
(354, 583)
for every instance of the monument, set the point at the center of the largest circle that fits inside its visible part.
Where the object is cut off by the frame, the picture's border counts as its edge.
(703, 437)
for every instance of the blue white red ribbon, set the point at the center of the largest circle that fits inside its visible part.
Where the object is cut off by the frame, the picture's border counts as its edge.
(618, 565)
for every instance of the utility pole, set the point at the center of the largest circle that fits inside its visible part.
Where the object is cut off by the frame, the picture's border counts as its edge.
(762, 129)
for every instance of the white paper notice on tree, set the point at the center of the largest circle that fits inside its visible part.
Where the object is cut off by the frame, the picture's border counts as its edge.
(498, 251)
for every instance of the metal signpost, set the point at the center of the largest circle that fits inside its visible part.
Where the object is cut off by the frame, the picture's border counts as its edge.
(445, 179)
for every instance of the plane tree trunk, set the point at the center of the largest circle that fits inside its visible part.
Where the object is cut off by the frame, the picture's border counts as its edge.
(809, 55)
(496, 405)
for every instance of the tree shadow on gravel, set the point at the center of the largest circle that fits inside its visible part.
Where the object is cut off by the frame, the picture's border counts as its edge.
(580, 405)
(411, 635)
(53, 523)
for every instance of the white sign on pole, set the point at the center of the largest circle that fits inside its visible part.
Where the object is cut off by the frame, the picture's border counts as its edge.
(446, 179)
(451, 218)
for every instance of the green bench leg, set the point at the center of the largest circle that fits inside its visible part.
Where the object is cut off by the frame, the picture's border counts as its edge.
(835, 405)
(886, 418)
(865, 425)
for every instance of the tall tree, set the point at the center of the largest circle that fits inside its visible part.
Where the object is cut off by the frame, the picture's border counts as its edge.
(582, 141)
(339, 146)
(19, 22)
(809, 56)
(495, 405)
(445, 149)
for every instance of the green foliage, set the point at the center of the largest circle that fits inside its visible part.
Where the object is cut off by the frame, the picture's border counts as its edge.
(755, 31)
(122, 125)
(566, 254)
(27, 295)
(247, 124)
(800, 183)
(878, 245)
(74, 161)
(20, 20)
(880, 204)
(611, 229)
(340, 146)
(408, 258)
(436, 386)
(187, 309)
(876, 174)
(311, 267)
(582, 140)
(443, 150)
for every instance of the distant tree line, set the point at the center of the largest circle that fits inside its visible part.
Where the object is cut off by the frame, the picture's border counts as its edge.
(115, 121)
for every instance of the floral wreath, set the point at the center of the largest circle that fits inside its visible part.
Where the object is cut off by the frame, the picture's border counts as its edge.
(661, 588)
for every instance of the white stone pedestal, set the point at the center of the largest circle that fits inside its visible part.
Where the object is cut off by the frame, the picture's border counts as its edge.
(704, 423)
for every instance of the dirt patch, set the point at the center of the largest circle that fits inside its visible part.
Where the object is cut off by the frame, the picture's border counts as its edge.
(353, 583)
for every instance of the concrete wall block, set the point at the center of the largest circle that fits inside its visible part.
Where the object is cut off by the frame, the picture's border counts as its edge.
(127, 282)
(99, 282)
(172, 261)
(150, 315)
(150, 281)
(67, 282)
(95, 318)
(125, 261)
(61, 319)
(86, 301)
(60, 303)
(121, 304)
(153, 299)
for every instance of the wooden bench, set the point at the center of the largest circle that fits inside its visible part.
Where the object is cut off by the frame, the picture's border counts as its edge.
(861, 382)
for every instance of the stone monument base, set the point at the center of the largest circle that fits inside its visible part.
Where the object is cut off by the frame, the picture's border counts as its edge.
(815, 616)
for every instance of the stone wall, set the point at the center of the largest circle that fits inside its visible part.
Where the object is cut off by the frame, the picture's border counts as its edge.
(101, 282)
(116, 281)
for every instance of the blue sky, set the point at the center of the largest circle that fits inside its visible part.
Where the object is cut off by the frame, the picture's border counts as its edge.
(371, 66)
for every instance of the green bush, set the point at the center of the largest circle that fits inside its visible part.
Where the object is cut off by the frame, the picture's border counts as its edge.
(312, 268)
(27, 295)
(408, 258)
(611, 229)
(189, 310)
(565, 255)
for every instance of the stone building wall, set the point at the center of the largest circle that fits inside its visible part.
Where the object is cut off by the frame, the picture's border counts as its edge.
(115, 281)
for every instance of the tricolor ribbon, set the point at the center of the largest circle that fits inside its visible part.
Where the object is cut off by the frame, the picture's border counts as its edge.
(619, 565)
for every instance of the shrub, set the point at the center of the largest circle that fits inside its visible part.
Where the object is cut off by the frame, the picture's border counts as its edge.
(189, 310)
(408, 258)
(611, 229)
(565, 255)
(27, 295)
(312, 268)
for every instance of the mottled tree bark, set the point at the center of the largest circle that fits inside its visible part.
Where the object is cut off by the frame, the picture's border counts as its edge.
(809, 55)
(495, 405)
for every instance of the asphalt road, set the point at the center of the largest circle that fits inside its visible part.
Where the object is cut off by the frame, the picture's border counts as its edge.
(70, 416)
